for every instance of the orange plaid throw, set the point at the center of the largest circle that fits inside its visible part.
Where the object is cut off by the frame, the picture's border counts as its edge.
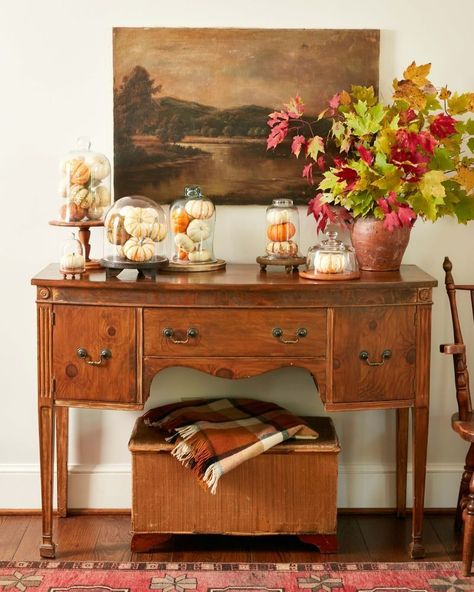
(215, 436)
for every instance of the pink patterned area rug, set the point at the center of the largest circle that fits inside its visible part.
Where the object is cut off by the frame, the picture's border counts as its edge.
(55, 576)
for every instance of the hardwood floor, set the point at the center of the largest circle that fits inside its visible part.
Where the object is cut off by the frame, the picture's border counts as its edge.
(362, 538)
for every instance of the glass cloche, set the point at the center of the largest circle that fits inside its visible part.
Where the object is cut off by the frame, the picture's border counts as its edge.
(331, 259)
(84, 186)
(192, 220)
(135, 230)
(282, 230)
(72, 260)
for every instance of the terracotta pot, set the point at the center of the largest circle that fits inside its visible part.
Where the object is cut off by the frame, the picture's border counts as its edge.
(378, 249)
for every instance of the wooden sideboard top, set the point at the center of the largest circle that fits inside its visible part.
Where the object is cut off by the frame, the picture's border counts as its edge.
(246, 276)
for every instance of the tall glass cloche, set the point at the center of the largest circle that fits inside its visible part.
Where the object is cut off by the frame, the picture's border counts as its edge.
(84, 185)
(192, 221)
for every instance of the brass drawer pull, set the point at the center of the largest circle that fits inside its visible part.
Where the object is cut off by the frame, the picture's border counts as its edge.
(191, 334)
(105, 354)
(277, 332)
(386, 354)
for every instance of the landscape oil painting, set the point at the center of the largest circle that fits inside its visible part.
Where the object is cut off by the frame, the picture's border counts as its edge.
(191, 106)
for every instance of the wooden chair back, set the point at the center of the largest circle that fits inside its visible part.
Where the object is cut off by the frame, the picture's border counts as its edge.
(458, 348)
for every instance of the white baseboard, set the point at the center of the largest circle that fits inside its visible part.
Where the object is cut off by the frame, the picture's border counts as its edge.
(109, 486)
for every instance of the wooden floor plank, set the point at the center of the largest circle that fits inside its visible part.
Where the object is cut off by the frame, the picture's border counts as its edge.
(113, 543)
(388, 538)
(76, 537)
(12, 531)
(28, 549)
(443, 525)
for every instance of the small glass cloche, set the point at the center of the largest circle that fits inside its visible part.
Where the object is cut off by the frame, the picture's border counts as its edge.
(331, 259)
(282, 229)
(84, 186)
(192, 221)
(72, 260)
(135, 229)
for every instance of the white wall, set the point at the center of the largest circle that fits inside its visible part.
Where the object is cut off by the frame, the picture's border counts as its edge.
(56, 84)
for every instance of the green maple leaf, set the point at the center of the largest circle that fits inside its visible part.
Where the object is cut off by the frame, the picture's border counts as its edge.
(360, 108)
(464, 209)
(442, 160)
(432, 104)
(362, 203)
(385, 139)
(365, 121)
(390, 180)
(424, 206)
(470, 144)
(329, 181)
(337, 129)
(469, 126)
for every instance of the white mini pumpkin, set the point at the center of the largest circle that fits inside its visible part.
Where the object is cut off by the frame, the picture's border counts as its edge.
(99, 166)
(101, 196)
(199, 256)
(282, 249)
(276, 216)
(139, 249)
(199, 208)
(158, 232)
(184, 243)
(330, 263)
(138, 221)
(198, 230)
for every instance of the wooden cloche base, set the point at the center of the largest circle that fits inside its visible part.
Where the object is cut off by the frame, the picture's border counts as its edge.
(307, 275)
(195, 267)
(113, 267)
(289, 263)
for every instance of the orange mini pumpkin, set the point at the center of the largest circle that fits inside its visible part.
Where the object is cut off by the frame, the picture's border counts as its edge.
(180, 220)
(281, 232)
(79, 173)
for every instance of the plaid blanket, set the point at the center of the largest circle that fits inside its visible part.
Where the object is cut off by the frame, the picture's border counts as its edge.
(215, 436)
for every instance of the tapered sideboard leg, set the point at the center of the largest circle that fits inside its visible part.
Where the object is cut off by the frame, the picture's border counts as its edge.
(46, 435)
(402, 460)
(420, 442)
(62, 442)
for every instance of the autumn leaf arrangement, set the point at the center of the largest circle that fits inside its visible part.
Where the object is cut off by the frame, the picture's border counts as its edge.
(411, 158)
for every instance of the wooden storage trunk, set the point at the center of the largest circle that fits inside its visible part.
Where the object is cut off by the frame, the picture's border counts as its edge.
(289, 489)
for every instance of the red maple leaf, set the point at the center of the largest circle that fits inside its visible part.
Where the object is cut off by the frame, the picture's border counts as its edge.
(321, 162)
(335, 101)
(308, 172)
(443, 126)
(407, 116)
(366, 155)
(321, 211)
(391, 221)
(298, 143)
(277, 135)
(406, 215)
(348, 175)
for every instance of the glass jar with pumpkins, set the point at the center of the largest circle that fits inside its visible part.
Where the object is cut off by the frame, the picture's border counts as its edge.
(135, 230)
(84, 186)
(192, 221)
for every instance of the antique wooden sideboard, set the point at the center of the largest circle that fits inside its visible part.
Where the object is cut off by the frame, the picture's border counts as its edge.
(365, 342)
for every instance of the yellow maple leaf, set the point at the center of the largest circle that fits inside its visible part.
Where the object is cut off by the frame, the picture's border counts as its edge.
(465, 177)
(407, 91)
(444, 93)
(418, 74)
(431, 184)
(470, 104)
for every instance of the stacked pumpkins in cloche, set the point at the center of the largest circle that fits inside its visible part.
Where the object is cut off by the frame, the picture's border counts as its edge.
(135, 229)
(192, 220)
(84, 188)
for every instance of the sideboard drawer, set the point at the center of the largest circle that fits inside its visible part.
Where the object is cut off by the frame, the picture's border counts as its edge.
(80, 335)
(374, 354)
(235, 332)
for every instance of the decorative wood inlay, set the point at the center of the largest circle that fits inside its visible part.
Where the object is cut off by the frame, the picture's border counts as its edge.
(423, 352)
(44, 293)
(139, 354)
(45, 329)
(424, 294)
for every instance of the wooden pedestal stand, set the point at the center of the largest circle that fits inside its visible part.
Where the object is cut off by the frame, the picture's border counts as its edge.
(289, 263)
(84, 237)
